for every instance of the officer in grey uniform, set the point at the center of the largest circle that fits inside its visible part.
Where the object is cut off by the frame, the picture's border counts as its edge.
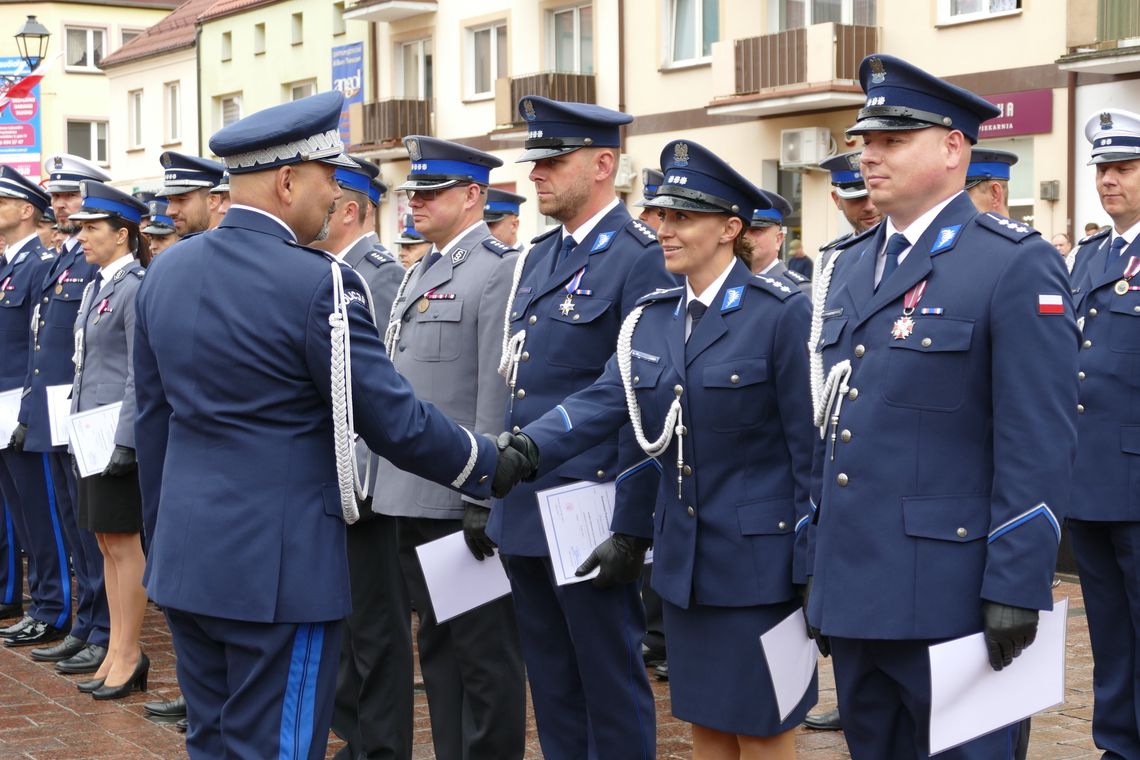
(445, 337)
(767, 235)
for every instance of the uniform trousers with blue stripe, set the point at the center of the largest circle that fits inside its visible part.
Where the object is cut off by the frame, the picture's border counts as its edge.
(28, 487)
(11, 564)
(582, 647)
(255, 691)
(92, 618)
(884, 698)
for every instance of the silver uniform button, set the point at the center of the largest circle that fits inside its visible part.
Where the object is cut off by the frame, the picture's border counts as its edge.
(1093, 312)
(516, 429)
(687, 470)
(532, 319)
(601, 473)
(1080, 408)
(1087, 344)
(691, 511)
(845, 436)
(962, 532)
(841, 479)
(853, 394)
(1081, 375)
(636, 379)
(1136, 309)
(859, 351)
(514, 315)
(576, 317)
(520, 393)
(483, 479)
(782, 525)
(525, 357)
(734, 379)
(678, 389)
(926, 342)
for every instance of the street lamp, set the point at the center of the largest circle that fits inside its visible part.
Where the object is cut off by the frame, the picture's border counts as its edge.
(32, 42)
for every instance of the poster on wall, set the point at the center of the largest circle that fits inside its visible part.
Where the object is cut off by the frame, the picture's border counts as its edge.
(20, 123)
(348, 77)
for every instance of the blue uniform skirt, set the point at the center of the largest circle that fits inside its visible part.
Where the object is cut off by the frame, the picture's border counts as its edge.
(718, 677)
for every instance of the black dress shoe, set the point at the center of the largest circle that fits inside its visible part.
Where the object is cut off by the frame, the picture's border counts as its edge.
(828, 721)
(182, 725)
(662, 671)
(16, 627)
(86, 660)
(651, 657)
(69, 647)
(89, 686)
(35, 634)
(8, 611)
(173, 708)
(136, 682)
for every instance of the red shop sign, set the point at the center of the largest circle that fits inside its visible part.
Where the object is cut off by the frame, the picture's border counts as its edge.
(1022, 113)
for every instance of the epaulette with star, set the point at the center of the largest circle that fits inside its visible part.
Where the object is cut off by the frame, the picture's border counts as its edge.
(1007, 228)
(1095, 236)
(545, 235)
(661, 294)
(641, 232)
(835, 243)
(378, 258)
(498, 247)
(773, 286)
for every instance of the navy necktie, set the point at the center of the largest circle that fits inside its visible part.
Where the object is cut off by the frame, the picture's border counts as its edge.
(432, 258)
(696, 310)
(568, 244)
(1118, 246)
(896, 245)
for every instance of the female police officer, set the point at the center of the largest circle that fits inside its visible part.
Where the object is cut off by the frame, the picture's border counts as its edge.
(109, 503)
(717, 371)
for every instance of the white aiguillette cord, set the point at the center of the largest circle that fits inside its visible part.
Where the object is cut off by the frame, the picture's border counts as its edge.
(825, 392)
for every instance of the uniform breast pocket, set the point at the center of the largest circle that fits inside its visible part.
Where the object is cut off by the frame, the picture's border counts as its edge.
(928, 369)
(521, 302)
(1124, 325)
(644, 378)
(733, 397)
(439, 334)
(830, 332)
(583, 337)
(14, 299)
(65, 304)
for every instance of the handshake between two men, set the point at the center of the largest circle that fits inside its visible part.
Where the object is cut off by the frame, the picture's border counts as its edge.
(620, 557)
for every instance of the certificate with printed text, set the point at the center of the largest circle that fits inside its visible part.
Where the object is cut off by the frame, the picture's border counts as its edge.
(9, 411)
(59, 412)
(93, 437)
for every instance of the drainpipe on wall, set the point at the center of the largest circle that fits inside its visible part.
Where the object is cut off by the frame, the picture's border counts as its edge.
(198, 87)
(621, 67)
(1070, 189)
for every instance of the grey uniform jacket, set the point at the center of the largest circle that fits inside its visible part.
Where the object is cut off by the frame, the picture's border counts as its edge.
(104, 349)
(451, 338)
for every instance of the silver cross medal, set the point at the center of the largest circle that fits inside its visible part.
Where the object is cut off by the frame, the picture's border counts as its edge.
(567, 305)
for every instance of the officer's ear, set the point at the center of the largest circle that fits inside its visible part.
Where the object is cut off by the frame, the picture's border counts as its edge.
(605, 162)
(957, 148)
(732, 227)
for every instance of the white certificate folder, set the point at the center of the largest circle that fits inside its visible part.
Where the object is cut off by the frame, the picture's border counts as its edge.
(92, 436)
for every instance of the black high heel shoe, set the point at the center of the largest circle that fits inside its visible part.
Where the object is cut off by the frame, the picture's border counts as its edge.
(137, 682)
(89, 686)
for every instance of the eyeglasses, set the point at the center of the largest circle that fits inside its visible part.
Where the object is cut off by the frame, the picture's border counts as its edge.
(427, 196)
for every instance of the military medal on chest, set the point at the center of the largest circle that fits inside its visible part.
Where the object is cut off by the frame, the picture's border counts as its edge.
(904, 325)
(1124, 284)
(572, 289)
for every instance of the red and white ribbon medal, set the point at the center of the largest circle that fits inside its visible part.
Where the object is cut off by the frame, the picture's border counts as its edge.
(904, 325)
(1123, 285)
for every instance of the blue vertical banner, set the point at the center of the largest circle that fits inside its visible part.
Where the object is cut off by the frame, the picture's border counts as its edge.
(20, 134)
(348, 77)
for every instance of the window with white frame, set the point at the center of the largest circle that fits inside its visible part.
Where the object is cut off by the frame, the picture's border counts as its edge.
(87, 139)
(84, 48)
(298, 27)
(413, 69)
(228, 109)
(953, 11)
(126, 34)
(259, 39)
(172, 112)
(298, 90)
(795, 14)
(570, 35)
(135, 119)
(227, 46)
(338, 18)
(486, 58)
(693, 26)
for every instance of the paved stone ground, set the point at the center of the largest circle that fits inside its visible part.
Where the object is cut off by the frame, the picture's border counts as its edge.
(43, 717)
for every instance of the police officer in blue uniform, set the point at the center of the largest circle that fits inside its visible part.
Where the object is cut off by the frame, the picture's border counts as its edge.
(188, 182)
(582, 643)
(849, 193)
(501, 213)
(944, 351)
(722, 360)
(49, 483)
(987, 179)
(374, 705)
(246, 338)
(24, 262)
(158, 227)
(651, 180)
(1104, 516)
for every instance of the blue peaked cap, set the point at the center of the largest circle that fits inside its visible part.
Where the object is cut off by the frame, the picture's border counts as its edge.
(183, 173)
(410, 236)
(901, 96)
(301, 130)
(500, 203)
(651, 180)
(555, 128)
(160, 222)
(988, 163)
(846, 176)
(774, 215)
(101, 201)
(696, 179)
(362, 179)
(16, 185)
(436, 164)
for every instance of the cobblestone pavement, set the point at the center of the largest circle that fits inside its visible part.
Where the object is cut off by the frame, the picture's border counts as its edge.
(43, 717)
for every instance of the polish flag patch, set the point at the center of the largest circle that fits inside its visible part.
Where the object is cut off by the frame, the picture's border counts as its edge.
(1049, 303)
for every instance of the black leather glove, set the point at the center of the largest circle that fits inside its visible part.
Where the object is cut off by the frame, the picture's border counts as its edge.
(1008, 631)
(122, 462)
(518, 460)
(821, 641)
(621, 558)
(475, 530)
(18, 436)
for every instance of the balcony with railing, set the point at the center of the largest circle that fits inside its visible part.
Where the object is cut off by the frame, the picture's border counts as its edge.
(556, 85)
(805, 69)
(1102, 36)
(383, 124)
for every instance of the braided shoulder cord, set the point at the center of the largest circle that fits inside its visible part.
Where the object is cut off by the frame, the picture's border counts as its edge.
(80, 328)
(392, 331)
(823, 391)
(513, 344)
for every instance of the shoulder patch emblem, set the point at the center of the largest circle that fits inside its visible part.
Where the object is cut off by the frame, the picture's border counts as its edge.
(603, 242)
(19, 259)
